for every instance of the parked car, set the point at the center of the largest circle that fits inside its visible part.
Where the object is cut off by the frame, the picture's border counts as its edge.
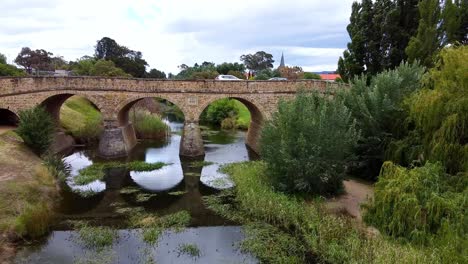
(227, 78)
(278, 79)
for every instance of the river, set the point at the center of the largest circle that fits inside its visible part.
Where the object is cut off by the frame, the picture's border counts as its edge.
(177, 187)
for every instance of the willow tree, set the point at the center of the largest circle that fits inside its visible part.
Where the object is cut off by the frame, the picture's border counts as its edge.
(440, 111)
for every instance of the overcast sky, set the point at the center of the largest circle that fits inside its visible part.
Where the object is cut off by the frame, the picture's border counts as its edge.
(311, 33)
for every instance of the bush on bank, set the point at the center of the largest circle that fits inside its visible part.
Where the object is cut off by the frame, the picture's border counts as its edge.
(422, 205)
(36, 128)
(306, 143)
(325, 238)
(149, 126)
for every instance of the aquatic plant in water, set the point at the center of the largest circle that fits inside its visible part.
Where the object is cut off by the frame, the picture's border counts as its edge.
(189, 249)
(96, 170)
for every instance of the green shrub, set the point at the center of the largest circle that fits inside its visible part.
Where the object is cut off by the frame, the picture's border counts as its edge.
(439, 113)
(306, 143)
(34, 220)
(311, 76)
(36, 128)
(149, 125)
(417, 203)
(10, 70)
(325, 238)
(229, 123)
(219, 110)
(380, 114)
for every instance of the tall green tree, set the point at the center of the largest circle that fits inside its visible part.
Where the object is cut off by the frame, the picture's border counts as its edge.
(379, 33)
(225, 67)
(34, 59)
(156, 74)
(424, 46)
(455, 22)
(258, 61)
(130, 61)
(3, 59)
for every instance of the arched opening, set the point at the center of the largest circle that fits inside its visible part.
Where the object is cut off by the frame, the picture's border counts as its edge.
(76, 115)
(8, 118)
(230, 130)
(152, 117)
(235, 113)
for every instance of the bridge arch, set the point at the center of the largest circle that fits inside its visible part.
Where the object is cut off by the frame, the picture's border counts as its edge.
(124, 107)
(8, 117)
(257, 117)
(53, 103)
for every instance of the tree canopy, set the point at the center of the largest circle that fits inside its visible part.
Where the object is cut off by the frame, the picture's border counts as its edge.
(130, 61)
(39, 59)
(258, 61)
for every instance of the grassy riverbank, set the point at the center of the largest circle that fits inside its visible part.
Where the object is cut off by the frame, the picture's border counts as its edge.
(286, 229)
(27, 192)
(81, 119)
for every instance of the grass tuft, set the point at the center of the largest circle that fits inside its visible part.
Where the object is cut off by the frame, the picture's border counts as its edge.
(189, 249)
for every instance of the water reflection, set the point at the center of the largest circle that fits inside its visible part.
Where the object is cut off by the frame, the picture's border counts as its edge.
(216, 245)
(177, 186)
(168, 176)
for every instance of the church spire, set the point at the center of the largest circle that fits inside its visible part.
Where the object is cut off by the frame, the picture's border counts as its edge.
(282, 61)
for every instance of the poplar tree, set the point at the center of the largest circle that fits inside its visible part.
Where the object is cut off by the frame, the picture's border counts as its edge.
(427, 42)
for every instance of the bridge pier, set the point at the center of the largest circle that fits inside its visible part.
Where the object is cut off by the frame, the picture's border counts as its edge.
(191, 144)
(253, 136)
(116, 141)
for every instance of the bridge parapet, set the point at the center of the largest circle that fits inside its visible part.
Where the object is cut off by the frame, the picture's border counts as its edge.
(21, 85)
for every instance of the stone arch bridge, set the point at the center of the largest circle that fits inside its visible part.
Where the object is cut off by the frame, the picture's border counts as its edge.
(115, 96)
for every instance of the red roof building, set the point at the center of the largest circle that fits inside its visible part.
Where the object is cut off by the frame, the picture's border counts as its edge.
(329, 76)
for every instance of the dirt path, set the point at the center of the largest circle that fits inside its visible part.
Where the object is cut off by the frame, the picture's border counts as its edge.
(356, 193)
(4, 129)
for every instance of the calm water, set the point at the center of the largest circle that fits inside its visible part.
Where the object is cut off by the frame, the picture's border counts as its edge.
(175, 187)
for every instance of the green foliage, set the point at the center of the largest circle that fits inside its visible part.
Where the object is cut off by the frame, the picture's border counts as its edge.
(131, 62)
(238, 74)
(380, 114)
(34, 59)
(425, 44)
(272, 245)
(440, 112)
(324, 238)
(149, 125)
(27, 205)
(229, 68)
(258, 61)
(83, 66)
(306, 143)
(156, 74)
(57, 167)
(81, 119)
(152, 226)
(266, 74)
(311, 76)
(10, 70)
(189, 249)
(96, 170)
(379, 31)
(206, 70)
(107, 69)
(97, 238)
(217, 111)
(3, 59)
(36, 128)
(422, 204)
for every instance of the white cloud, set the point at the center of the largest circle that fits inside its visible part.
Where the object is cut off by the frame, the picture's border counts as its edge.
(311, 33)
